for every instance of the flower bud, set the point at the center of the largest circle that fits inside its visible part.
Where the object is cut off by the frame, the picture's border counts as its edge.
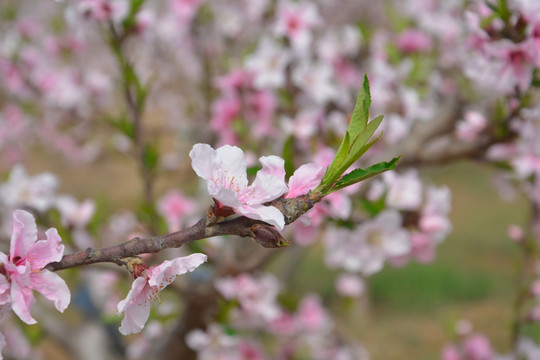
(267, 236)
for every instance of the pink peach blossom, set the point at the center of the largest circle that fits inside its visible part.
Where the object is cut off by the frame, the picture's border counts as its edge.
(225, 169)
(174, 207)
(24, 267)
(136, 306)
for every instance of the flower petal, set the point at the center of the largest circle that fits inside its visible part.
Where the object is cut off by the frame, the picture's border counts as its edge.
(52, 287)
(268, 214)
(21, 301)
(233, 161)
(265, 188)
(44, 252)
(164, 274)
(4, 290)
(203, 158)
(24, 234)
(136, 308)
(227, 197)
(304, 179)
(273, 165)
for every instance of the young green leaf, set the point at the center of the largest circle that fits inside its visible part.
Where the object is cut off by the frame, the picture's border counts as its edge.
(332, 174)
(359, 146)
(358, 175)
(288, 151)
(360, 114)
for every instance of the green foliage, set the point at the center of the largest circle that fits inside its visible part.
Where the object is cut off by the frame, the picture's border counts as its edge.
(151, 157)
(252, 171)
(288, 151)
(418, 287)
(122, 124)
(373, 207)
(355, 143)
(131, 20)
(358, 175)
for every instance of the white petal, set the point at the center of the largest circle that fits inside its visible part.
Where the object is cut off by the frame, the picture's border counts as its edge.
(273, 165)
(164, 274)
(233, 163)
(268, 214)
(136, 308)
(265, 188)
(203, 158)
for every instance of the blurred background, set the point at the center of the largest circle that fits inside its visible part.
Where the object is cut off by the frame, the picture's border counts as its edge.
(109, 96)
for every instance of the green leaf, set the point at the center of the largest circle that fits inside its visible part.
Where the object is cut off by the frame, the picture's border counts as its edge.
(373, 207)
(151, 157)
(131, 20)
(360, 114)
(332, 172)
(358, 175)
(288, 151)
(364, 137)
(123, 125)
(251, 171)
(359, 146)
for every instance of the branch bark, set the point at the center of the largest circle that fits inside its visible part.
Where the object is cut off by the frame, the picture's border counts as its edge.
(241, 226)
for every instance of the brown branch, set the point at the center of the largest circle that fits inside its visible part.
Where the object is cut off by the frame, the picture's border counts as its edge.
(292, 209)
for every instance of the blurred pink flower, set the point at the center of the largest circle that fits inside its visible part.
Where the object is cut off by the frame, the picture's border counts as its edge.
(366, 249)
(225, 169)
(103, 10)
(515, 232)
(412, 40)
(256, 295)
(350, 285)
(185, 9)
(451, 352)
(21, 190)
(74, 213)
(405, 190)
(311, 315)
(224, 111)
(478, 347)
(268, 64)
(174, 207)
(136, 306)
(316, 79)
(296, 20)
(471, 126)
(24, 267)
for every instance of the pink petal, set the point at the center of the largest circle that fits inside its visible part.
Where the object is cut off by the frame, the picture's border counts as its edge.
(4, 290)
(24, 233)
(21, 301)
(307, 177)
(135, 307)
(52, 287)
(164, 274)
(273, 165)
(44, 252)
